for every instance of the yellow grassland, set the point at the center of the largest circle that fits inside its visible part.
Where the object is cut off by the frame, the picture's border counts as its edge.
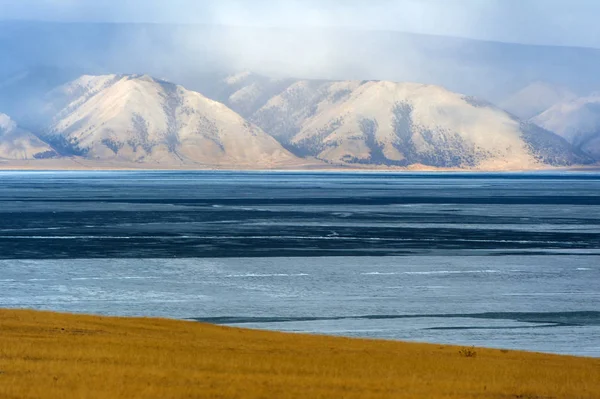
(58, 356)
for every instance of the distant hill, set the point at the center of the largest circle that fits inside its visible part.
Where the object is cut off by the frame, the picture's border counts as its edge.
(535, 99)
(19, 144)
(577, 120)
(133, 118)
(392, 124)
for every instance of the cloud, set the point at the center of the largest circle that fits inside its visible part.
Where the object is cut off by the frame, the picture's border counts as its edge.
(307, 38)
(561, 22)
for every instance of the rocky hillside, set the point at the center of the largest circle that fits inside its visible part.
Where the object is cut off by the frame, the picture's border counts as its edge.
(577, 120)
(394, 124)
(18, 144)
(132, 118)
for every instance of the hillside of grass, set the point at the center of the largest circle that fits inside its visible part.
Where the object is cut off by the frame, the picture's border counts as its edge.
(57, 356)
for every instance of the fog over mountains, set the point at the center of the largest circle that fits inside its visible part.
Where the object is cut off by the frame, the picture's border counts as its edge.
(177, 96)
(19, 144)
(577, 120)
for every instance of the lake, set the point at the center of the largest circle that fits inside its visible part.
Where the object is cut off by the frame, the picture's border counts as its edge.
(497, 260)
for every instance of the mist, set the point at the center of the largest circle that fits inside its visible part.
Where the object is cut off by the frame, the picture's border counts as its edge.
(190, 42)
(546, 22)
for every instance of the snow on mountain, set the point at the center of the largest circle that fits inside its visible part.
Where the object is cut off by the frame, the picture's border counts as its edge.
(577, 120)
(289, 122)
(536, 98)
(18, 144)
(403, 124)
(132, 118)
(243, 92)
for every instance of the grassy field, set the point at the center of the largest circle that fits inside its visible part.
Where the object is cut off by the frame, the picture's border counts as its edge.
(56, 356)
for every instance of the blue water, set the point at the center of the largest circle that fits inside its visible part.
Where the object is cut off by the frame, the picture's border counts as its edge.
(507, 261)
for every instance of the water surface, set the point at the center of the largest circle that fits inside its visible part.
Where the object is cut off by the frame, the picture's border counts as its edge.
(499, 260)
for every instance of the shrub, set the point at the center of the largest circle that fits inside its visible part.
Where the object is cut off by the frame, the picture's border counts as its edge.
(467, 352)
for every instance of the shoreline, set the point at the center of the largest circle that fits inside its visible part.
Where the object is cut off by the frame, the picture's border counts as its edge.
(74, 164)
(46, 355)
(296, 170)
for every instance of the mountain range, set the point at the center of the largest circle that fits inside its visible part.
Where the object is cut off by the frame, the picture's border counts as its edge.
(394, 124)
(140, 120)
(449, 103)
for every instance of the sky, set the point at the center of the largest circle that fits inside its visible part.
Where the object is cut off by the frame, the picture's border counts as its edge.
(552, 22)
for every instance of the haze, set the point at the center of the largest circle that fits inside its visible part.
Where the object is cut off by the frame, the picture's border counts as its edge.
(512, 54)
(552, 22)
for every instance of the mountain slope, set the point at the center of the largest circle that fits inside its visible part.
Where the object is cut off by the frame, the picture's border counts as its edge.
(578, 121)
(18, 144)
(132, 118)
(244, 92)
(402, 124)
(125, 119)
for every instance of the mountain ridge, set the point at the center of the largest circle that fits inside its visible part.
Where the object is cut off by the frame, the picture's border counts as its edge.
(306, 117)
(136, 118)
(139, 120)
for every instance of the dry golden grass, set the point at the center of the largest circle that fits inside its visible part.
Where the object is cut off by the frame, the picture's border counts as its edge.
(56, 356)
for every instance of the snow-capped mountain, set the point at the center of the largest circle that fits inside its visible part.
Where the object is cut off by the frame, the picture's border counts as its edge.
(137, 119)
(399, 124)
(18, 144)
(132, 118)
(577, 120)
(535, 99)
